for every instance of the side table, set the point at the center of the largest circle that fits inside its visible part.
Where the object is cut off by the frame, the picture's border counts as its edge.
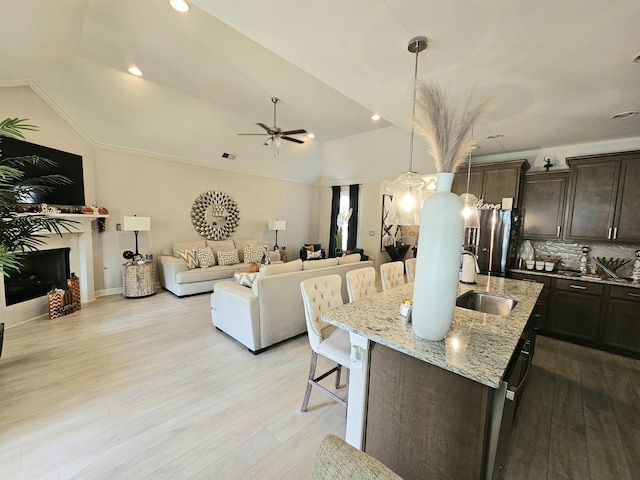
(139, 279)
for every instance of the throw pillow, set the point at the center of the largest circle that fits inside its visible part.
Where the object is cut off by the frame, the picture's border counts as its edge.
(189, 256)
(309, 248)
(253, 253)
(206, 258)
(314, 255)
(228, 258)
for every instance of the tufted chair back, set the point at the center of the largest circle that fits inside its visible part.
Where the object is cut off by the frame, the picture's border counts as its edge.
(410, 265)
(361, 283)
(392, 275)
(320, 294)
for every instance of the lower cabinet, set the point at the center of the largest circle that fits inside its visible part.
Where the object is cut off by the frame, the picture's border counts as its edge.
(576, 308)
(622, 321)
(595, 314)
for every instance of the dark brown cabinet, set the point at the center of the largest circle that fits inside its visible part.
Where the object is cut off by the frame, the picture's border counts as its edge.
(492, 182)
(621, 327)
(604, 197)
(543, 205)
(590, 313)
(575, 309)
(541, 310)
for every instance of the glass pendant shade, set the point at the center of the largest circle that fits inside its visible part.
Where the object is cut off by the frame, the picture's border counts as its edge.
(406, 206)
(470, 212)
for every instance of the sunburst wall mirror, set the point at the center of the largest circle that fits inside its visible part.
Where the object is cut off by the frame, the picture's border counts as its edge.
(215, 215)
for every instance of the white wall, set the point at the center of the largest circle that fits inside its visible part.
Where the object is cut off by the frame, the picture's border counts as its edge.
(165, 191)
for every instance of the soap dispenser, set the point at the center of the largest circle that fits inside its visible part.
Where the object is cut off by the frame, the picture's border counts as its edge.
(470, 268)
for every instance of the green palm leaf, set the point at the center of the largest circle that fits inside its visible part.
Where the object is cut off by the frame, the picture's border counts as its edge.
(13, 127)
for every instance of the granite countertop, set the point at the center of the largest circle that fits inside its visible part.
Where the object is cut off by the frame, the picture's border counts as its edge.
(620, 282)
(478, 346)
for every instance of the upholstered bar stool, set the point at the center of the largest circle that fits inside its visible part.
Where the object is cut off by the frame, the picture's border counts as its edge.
(320, 294)
(392, 275)
(361, 283)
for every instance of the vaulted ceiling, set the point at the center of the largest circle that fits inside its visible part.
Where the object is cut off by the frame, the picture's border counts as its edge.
(559, 70)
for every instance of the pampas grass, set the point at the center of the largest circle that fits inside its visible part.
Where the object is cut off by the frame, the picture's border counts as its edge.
(448, 134)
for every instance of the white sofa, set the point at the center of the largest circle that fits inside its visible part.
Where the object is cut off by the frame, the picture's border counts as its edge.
(271, 310)
(176, 277)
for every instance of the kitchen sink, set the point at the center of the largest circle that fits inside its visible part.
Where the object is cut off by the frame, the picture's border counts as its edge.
(486, 303)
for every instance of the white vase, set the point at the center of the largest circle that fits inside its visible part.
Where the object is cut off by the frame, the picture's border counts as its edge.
(438, 263)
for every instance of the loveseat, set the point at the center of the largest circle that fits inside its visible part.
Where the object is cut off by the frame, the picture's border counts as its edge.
(184, 270)
(271, 310)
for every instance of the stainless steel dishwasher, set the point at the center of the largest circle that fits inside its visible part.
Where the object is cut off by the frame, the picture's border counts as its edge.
(513, 384)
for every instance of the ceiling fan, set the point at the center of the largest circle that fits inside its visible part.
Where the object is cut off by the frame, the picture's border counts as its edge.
(275, 133)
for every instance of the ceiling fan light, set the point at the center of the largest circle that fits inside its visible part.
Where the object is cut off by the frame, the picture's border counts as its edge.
(278, 142)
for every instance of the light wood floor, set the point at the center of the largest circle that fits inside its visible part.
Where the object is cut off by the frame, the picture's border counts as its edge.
(147, 388)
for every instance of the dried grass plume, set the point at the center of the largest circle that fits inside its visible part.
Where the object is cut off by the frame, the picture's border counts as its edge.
(448, 134)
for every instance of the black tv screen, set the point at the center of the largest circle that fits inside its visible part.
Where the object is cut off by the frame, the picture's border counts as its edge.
(67, 164)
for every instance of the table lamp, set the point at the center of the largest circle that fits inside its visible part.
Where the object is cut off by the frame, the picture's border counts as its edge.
(277, 225)
(136, 224)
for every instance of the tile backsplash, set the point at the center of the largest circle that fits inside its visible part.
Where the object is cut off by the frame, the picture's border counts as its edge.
(570, 253)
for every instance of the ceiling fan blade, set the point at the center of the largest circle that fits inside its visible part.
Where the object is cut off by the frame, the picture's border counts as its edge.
(264, 126)
(294, 132)
(295, 140)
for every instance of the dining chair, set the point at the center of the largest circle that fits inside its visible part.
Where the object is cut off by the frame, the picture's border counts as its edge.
(410, 265)
(392, 275)
(320, 294)
(361, 283)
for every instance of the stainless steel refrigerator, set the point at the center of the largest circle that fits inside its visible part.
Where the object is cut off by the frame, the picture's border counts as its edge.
(497, 240)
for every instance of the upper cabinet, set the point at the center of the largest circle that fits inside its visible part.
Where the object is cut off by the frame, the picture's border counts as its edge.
(492, 182)
(604, 197)
(543, 205)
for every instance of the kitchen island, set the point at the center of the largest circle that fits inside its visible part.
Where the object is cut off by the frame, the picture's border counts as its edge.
(430, 409)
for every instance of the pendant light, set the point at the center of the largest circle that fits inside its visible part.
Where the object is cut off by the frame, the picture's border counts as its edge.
(409, 188)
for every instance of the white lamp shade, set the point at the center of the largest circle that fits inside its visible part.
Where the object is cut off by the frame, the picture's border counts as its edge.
(136, 224)
(277, 225)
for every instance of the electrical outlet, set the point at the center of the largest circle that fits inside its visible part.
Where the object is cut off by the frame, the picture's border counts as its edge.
(372, 233)
(119, 227)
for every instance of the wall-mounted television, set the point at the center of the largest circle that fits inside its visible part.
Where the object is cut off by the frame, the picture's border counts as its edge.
(67, 164)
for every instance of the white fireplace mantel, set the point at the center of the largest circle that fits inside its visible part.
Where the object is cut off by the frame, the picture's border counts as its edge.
(80, 239)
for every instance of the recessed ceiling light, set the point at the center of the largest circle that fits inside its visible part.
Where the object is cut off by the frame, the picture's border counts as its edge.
(135, 71)
(620, 115)
(495, 137)
(310, 135)
(375, 116)
(179, 5)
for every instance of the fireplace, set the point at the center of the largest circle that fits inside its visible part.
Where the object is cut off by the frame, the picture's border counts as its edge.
(41, 270)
